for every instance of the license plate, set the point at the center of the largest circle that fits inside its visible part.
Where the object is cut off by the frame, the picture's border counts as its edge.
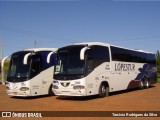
(15, 93)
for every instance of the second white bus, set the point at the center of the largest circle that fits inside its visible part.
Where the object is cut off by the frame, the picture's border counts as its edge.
(31, 72)
(85, 69)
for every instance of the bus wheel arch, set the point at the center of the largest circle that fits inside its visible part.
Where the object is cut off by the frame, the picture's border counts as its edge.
(104, 89)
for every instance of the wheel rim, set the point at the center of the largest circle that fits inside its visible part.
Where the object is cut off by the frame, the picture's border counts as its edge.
(141, 84)
(147, 84)
(103, 90)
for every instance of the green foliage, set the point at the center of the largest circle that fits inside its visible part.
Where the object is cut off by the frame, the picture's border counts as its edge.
(0, 70)
(158, 65)
(6, 65)
(158, 80)
(5, 68)
(158, 53)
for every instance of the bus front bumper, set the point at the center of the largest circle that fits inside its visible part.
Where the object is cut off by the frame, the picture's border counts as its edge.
(69, 92)
(18, 93)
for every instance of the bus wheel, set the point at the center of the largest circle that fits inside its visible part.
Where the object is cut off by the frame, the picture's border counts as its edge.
(103, 91)
(141, 84)
(146, 83)
(51, 93)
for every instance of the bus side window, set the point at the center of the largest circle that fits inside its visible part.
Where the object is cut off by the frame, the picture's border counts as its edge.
(96, 55)
(13, 70)
(89, 64)
(89, 61)
(100, 55)
(35, 66)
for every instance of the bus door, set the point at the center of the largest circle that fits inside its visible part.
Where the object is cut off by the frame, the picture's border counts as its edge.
(36, 80)
(96, 58)
(91, 81)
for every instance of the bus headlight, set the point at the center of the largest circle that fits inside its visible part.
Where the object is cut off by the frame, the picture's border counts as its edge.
(55, 82)
(78, 87)
(7, 88)
(24, 88)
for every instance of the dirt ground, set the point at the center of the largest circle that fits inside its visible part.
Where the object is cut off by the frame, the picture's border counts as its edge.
(132, 100)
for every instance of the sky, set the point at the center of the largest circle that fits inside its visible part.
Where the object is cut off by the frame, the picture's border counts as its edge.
(55, 23)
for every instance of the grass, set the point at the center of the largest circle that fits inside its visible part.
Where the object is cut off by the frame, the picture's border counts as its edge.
(0, 78)
(158, 80)
(158, 76)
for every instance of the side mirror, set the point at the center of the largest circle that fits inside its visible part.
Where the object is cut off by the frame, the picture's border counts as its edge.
(49, 57)
(82, 53)
(26, 58)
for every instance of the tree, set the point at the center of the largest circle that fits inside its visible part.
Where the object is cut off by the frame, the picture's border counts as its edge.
(158, 54)
(0, 66)
(158, 62)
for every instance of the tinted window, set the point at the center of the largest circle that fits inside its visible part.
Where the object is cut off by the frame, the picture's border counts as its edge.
(120, 54)
(18, 72)
(99, 53)
(68, 65)
(43, 57)
(96, 55)
(151, 58)
(36, 66)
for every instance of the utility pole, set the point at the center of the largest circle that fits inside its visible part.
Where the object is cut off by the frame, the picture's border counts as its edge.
(2, 64)
(1, 48)
(1, 57)
(35, 44)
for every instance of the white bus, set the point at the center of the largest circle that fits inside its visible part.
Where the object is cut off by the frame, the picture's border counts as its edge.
(85, 69)
(30, 72)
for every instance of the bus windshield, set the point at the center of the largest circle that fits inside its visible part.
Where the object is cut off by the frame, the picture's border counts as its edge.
(69, 66)
(18, 71)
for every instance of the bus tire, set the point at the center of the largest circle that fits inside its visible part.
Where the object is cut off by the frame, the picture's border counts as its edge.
(51, 93)
(141, 84)
(146, 83)
(103, 90)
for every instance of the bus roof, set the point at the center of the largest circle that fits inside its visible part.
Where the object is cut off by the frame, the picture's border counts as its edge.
(93, 43)
(41, 49)
(106, 44)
